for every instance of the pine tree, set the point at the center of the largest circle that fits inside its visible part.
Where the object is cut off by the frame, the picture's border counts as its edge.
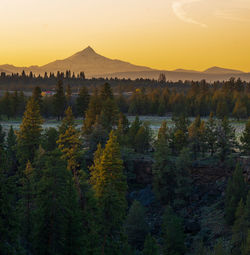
(11, 151)
(236, 190)
(68, 120)
(239, 229)
(211, 134)
(69, 95)
(135, 226)
(240, 110)
(172, 234)
(133, 130)
(180, 134)
(37, 95)
(49, 138)
(57, 221)
(109, 114)
(245, 139)
(195, 136)
(93, 110)
(29, 135)
(15, 103)
(59, 100)
(226, 139)
(142, 139)
(6, 105)
(150, 246)
(9, 225)
(183, 178)
(122, 130)
(106, 92)
(27, 206)
(222, 109)
(163, 168)
(98, 135)
(109, 184)
(82, 101)
(69, 142)
(91, 217)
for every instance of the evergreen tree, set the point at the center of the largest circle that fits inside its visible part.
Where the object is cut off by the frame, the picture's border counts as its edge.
(9, 225)
(236, 190)
(106, 92)
(245, 139)
(49, 138)
(240, 110)
(163, 168)
(82, 101)
(29, 135)
(6, 105)
(172, 234)
(239, 229)
(69, 95)
(122, 103)
(195, 136)
(211, 134)
(226, 139)
(110, 188)
(91, 217)
(109, 114)
(133, 130)
(122, 130)
(98, 135)
(15, 103)
(27, 206)
(11, 151)
(150, 246)
(222, 109)
(93, 110)
(68, 120)
(37, 95)
(57, 221)
(180, 134)
(135, 226)
(59, 100)
(183, 178)
(69, 142)
(142, 139)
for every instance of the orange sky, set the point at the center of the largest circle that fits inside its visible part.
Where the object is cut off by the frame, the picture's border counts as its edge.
(163, 34)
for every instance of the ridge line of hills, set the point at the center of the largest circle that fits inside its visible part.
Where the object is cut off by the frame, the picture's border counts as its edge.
(98, 66)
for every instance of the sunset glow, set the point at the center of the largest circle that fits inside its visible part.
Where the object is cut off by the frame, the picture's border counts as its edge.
(163, 34)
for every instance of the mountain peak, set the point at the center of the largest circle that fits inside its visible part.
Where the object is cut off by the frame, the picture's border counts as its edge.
(220, 70)
(86, 52)
(89, 49)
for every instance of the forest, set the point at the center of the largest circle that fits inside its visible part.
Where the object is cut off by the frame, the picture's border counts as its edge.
(113, 187)
(158, 98)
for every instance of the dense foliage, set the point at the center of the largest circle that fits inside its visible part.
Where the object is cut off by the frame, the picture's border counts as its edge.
(69, 191)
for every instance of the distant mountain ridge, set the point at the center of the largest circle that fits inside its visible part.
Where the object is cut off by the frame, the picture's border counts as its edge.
(219, 70)
(96, 65)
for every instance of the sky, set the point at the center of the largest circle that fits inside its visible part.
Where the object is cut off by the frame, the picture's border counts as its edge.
(162, 34)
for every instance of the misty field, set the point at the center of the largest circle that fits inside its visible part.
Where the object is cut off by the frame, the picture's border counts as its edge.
(154, 122)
